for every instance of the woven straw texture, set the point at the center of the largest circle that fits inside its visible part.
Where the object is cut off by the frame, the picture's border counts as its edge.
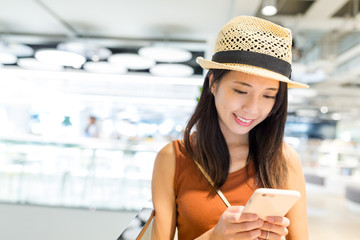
(254, 34)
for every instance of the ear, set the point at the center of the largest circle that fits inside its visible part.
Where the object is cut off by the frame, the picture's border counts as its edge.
(211, 86)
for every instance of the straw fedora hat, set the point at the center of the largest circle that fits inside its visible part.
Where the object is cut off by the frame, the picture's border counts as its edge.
(255, 46)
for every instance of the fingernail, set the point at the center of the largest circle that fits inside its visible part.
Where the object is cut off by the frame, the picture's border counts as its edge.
(270, 219)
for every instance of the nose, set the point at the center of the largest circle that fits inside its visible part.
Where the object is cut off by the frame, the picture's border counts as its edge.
(251, 105)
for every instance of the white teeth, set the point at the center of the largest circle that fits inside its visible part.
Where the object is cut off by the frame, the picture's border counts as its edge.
(243, 120)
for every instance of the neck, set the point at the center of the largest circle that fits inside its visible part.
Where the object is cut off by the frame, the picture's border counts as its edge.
(238, 145)
(236, 140)
(239, 141)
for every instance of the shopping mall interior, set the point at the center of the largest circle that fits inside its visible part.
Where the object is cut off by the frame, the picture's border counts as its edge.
(91, 90)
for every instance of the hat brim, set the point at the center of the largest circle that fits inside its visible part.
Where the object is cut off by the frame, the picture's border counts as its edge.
(206, 64)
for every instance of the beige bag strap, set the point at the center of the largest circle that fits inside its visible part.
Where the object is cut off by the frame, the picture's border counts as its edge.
(221, 195)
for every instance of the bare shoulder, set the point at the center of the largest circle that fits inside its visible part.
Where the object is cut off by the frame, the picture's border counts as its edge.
(166, 156)
(165, 162)
(167, 151)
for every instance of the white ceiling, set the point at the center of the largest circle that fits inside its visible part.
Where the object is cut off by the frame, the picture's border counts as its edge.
(121, 19)
(195, 23)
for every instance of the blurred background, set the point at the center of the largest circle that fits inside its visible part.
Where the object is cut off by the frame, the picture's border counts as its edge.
(91, 90)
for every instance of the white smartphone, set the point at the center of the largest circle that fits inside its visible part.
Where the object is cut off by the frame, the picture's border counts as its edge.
(267, 202)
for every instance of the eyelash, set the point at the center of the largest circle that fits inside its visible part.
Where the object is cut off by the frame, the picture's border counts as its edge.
(240, 92)
(266, 96)
(271, 97)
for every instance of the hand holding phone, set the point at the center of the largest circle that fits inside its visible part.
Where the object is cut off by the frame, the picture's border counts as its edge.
(266, 202)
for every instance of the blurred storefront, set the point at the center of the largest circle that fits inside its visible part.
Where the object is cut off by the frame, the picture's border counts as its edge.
(82, 133)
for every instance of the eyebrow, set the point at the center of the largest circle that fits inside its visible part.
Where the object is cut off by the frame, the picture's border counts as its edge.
(248, 85)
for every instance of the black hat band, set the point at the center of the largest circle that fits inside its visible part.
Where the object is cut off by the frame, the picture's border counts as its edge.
(254, 59)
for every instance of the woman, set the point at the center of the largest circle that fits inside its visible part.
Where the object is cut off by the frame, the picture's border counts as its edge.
(237, 142)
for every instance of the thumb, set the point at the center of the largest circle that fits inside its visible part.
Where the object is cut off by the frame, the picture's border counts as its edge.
(233, 214)
(235, 209)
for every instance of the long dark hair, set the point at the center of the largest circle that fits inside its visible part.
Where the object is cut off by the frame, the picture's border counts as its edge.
(208, 146)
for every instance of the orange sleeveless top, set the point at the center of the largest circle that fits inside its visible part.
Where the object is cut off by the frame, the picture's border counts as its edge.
(198, 206)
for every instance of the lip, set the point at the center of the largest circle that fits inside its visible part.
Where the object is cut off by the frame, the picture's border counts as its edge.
(241, 123)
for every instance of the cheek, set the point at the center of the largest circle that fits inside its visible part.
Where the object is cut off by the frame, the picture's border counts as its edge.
(228, 103)
(220, 105)
(220, 99)
(223, 104)
(267, 107)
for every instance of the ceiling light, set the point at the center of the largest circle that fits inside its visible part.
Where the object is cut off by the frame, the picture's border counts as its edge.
(19, 50)
(7, 58)
(62, 58)
(165, 54)
(104, 67)
(34, 64)
(336, 116)
(89, 51)
(269, 8)
(324, 109)
(131, 61)
(172, 70)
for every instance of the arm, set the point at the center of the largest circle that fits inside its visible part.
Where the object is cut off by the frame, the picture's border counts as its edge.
(298, 229)
(231, 224)
(163, 195)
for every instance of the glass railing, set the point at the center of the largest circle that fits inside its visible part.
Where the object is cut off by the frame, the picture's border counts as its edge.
(81, 173)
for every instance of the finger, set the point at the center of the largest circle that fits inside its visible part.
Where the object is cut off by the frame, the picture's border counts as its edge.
(239, 218)
(279, 230)
(272, 236)
(235, 215)
(235, 209)
(254, 234)
(248, 217)
(246, 226)
(264, 235)
(231, 214)
(279, 221)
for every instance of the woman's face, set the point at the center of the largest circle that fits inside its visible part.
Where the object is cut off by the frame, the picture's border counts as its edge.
(243, 101)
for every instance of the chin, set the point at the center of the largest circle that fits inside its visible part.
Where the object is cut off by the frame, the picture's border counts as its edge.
(242, 131)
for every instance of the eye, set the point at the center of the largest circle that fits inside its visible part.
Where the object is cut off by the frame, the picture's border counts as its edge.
(269, 97)
(239, 91)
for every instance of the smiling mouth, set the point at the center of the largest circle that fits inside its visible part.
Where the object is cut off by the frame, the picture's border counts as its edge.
(243, 119)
